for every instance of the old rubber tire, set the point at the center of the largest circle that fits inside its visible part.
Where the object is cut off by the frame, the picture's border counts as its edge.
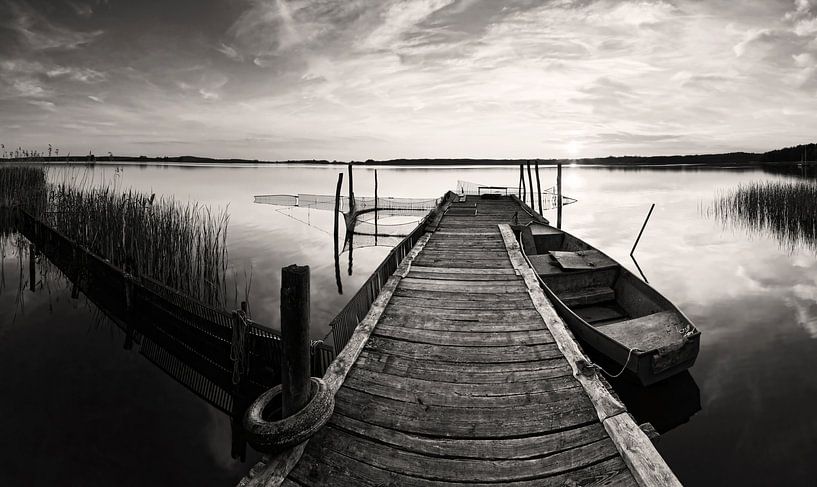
(275, 436)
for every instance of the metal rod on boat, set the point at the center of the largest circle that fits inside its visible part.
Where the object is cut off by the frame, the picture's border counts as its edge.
(559, 196)
(642, 229)
(538, 187)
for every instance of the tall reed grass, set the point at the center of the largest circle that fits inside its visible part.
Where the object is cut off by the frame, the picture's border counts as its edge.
(180, 244)
(785, 209)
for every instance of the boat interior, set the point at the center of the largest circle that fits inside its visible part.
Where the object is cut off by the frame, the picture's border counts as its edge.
(602, 293)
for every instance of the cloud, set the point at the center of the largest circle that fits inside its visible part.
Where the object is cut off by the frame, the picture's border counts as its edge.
(39, 33)
(230, 52)
(95, 98)
(82, 9)
(45, 105)
(30, 88)
(84, 75)
(400, 19)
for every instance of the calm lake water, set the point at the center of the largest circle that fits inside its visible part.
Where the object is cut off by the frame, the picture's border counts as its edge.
(80, 410)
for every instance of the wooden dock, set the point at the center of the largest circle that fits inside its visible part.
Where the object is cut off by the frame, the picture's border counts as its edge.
(462, 374)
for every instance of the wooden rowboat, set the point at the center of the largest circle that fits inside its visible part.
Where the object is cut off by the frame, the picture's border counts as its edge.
(611, 310)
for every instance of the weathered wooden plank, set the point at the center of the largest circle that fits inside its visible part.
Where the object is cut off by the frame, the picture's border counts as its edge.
(458, 304)
(487, 297)
(459, 270)
(461, 325)
(474, 287)
(491, 448)
(343, 469)
(473, 264)
(521, 316)
(463, 338)
(476, 276)
(458, 422)
(443, 353)
(639, 453)
(434, 392)
(443, 469)
(467, 372)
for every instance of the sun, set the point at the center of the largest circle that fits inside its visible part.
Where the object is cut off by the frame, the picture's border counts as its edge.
(573, 148)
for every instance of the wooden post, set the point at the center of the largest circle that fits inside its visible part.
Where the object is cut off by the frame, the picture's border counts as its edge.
(538, 187)
(375, 207)
(522, 195)
(32, 267)
(559, 196)
(352, 205)
(337, 251)
(530, 183)
(295, 369)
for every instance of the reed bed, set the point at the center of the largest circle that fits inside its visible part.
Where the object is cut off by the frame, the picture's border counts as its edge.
(785, 209)
(23, 185)
(180, 244)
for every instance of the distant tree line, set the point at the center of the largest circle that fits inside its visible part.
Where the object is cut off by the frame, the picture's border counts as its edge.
(797, 153)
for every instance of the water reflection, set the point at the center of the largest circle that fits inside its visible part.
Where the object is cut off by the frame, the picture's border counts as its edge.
(665, 405)
(132, 329)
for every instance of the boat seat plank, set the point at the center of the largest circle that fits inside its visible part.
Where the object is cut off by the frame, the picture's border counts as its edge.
(597, 313)
(587, 296)
(583, 260)
(647, 332)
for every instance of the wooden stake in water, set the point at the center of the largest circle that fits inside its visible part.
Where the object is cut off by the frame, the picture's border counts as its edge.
(522, 191)
(375, 207)
(530, 184)
(559, 196)
(295, 370)
(352, 205)
(337, 251)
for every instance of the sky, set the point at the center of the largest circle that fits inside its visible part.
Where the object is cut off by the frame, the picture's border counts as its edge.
(361, 79)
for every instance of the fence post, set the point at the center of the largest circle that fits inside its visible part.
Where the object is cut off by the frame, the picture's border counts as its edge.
(295, 369)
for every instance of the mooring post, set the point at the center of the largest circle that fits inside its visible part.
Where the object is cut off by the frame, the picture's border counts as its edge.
(538, 187)
(530, 184)
(559, 196)
(375, 207)
(522, 191)
(295, 369)
(352, 205)
(642, 229)
(32, 267)
(337, 251)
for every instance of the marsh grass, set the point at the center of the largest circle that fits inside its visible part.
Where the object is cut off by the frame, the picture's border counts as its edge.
(785, 209)
(180, 244)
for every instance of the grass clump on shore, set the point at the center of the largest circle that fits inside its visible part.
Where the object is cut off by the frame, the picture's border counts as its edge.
(786, 209)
